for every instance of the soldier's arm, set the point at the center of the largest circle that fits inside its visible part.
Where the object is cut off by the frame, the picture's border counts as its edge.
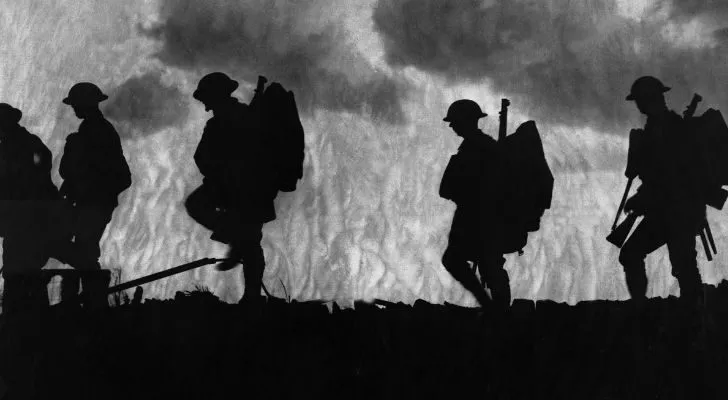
(205, 156)
(69, 158)
(42, 156)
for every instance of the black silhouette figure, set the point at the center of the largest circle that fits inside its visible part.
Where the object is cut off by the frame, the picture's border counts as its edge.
(665, 156)
(27, 200)
(471, 180)
(501, 190)
(94, 173)
(237, 193)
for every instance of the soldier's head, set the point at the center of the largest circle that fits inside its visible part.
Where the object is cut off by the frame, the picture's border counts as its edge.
(648, 93)
(463, 116)
(85, 97)
(9, 117)
(214, 90)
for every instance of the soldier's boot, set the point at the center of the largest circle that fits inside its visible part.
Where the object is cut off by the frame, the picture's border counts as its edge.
(232, 259)
(222, 231)
(635, 275)
(95, 287)
(470, 282)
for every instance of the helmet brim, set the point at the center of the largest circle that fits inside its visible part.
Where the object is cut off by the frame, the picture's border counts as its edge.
(633, 97)
(449, 119)
(70, 101)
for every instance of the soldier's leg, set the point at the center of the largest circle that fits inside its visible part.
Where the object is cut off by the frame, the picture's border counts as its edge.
(89, 226)
(252, 257)
(683, 257)
(648, 237)
(456, 263)
(202, 206)
(496, 277)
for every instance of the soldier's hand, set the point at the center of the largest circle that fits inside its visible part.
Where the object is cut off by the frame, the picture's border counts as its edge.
(634, 205)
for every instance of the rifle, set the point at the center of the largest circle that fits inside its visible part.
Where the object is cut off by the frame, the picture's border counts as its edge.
(619, 233)
(163, 274)
(259, 89)
(503, 117)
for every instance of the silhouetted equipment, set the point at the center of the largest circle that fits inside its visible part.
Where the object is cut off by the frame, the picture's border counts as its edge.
(711, 133)
(282, 130)
(622, 203)
(528, 182)
(619, 234)
(163, 274)
(503, 118)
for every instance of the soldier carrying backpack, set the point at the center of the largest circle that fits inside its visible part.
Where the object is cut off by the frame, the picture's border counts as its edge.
(668, 159)
(245, 157)
(501, 190)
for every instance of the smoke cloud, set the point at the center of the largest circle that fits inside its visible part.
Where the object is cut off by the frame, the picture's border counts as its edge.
(569, 62)
(278, 40)
(145, 105)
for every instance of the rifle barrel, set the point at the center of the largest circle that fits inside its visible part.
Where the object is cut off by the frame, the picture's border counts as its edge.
(709, 235)
(163, 274)
(705, 246)
(622, 203)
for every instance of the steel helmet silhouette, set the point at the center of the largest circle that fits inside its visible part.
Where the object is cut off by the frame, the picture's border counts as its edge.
(216, 84)
(645, 87)
(84, 93)
(10, 114)
(464, 109)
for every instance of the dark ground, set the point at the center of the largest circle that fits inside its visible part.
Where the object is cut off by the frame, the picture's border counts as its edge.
(197, 347)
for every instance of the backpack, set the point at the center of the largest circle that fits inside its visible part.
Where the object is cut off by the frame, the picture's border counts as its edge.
(527, 186)
(283, 134)
(711, 134)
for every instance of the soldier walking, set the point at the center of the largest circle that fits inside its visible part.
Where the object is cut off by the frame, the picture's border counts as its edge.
(94, 173)
(472, 181)
(670, 195)
(237, 193)
(27, 194)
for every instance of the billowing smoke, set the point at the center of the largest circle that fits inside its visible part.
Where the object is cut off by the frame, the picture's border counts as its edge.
(279, 40)
(572, 61)
(144, 105)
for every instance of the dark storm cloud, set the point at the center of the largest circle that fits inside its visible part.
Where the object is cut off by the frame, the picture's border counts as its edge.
(566, 62)
(721, 35)
(689, 8)
(146, 105)
(275, 40)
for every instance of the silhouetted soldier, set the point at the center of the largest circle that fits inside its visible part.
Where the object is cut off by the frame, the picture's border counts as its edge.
(472, 181)
(94, 173)
(669, 197)
(26, 195)
(236, 196)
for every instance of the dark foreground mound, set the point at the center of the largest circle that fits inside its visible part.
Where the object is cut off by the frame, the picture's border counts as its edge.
(197, 347)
